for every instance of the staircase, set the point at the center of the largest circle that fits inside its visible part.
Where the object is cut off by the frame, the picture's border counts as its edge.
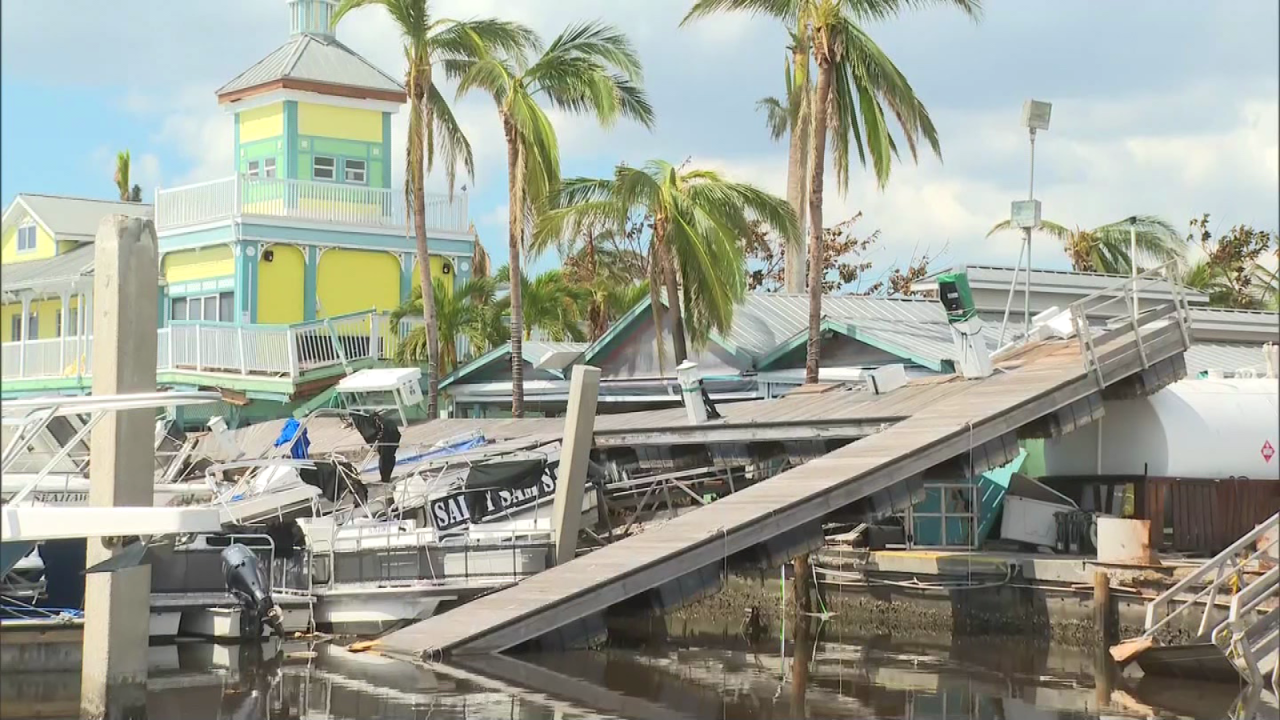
(1247, 643)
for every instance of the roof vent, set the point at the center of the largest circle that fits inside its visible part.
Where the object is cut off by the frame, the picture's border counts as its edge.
(311, 17)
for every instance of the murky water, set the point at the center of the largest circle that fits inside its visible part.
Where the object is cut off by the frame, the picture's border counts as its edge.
(725, 677)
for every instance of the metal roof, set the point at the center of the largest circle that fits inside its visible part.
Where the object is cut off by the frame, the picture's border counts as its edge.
(27, 275)
(1227, 325)
(73, 218)
(318, 59)
(1227, 357)
(1062, 281)
(765, 321)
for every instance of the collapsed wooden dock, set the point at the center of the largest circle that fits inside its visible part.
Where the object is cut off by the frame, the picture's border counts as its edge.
(1043, 388)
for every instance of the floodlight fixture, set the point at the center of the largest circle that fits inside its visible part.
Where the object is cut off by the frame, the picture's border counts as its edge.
(1035, 115)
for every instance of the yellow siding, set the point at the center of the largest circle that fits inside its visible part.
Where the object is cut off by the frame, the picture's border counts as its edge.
(437, 265)
(341, 123)
(280, 286)
(47, 318)
(6, 321)
(199, 264)
(356, 280)
(261, 123)
(45, 247)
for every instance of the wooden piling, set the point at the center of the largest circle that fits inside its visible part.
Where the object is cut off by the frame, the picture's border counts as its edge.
(1102, 617)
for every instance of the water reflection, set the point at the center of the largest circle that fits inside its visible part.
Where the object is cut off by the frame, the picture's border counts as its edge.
(811, 675)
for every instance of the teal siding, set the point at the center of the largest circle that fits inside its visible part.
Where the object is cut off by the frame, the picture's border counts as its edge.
(290, 169)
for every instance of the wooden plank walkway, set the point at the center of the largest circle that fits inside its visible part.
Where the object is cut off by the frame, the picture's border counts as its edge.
(1037, 381)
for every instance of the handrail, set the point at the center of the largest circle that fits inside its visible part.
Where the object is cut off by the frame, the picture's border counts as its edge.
(1218, 561)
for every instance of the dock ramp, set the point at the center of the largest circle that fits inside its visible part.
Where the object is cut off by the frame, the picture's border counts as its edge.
(1043, 383)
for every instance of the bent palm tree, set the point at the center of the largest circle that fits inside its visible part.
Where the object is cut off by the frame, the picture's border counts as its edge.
(1105, 249)
(432, 126)
(856, 83)
(458, 314)
(589, 68)
(701, 224)
(789, 116)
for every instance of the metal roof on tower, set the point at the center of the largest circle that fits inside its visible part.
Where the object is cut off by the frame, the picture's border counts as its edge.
(314, 63)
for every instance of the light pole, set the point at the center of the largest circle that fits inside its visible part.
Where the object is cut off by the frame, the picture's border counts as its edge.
(1025, 214)
(1133, 263)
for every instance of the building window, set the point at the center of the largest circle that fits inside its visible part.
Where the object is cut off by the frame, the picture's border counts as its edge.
(353, 171)
(57, 322)
(15, 327)
(322, 168)
(269, 167)
(27, 237)
(219, 307)
(74, 327)
(33, 326)
(253, 168)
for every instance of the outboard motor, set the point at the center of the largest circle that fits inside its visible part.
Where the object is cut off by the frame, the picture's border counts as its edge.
(244, 581)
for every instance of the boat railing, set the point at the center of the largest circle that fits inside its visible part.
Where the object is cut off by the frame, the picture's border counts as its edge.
(32, 417)
(409, 555)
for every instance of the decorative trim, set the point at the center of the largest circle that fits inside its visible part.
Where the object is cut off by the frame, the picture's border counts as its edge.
(311, 86)
(319, 99)
(432, 233)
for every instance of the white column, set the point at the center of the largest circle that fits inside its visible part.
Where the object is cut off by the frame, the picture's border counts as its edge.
(117, 604)
(25, 326)
(66, 330)
(575, 453)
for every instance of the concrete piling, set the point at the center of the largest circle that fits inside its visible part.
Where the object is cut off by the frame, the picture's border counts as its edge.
(122, 461)
(575, 453)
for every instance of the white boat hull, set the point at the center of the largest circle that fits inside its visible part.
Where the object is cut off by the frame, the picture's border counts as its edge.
(371, 611)
(165, 623)
(223, 623)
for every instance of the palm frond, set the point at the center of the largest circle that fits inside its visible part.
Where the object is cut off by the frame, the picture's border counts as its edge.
(777, 116)
(786, 10)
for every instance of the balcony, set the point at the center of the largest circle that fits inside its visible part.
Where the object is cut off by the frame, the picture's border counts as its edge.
(350, 206)
(260, 351)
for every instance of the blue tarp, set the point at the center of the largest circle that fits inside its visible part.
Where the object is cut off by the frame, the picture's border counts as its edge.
(461, 446)
(298, 450)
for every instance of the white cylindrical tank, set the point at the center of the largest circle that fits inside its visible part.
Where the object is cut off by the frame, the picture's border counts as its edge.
(1192, 429)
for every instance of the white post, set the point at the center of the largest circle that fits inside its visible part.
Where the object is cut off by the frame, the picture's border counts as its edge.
(122, 453)
(199, 354)
(691, 392)
(62, 340)
(291, 340)
(24, 324)
(575, 453)
(244, 369)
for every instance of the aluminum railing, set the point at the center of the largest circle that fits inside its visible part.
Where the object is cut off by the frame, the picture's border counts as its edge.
(1128, 318)
(1209, 580)
(258, 350)
(324, 202)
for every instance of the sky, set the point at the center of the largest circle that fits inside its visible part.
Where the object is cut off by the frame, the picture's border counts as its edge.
(1164, 107)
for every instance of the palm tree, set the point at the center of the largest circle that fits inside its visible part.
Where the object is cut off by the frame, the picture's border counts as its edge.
(589, 68)
(432, 126)
(552, 305)
(122, 175)
(856, 81)
(1105, 249)
(790, 117)
(460, 313)
(701, 225)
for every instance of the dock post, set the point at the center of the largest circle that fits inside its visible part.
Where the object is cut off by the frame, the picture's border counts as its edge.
(1102, 607)
(575, 453)
(117, 604)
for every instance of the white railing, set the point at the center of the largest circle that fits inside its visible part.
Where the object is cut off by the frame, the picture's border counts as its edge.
(258, 350)
(324, 202)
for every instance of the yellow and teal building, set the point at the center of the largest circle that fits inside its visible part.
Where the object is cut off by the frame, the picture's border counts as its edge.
(290, 258)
